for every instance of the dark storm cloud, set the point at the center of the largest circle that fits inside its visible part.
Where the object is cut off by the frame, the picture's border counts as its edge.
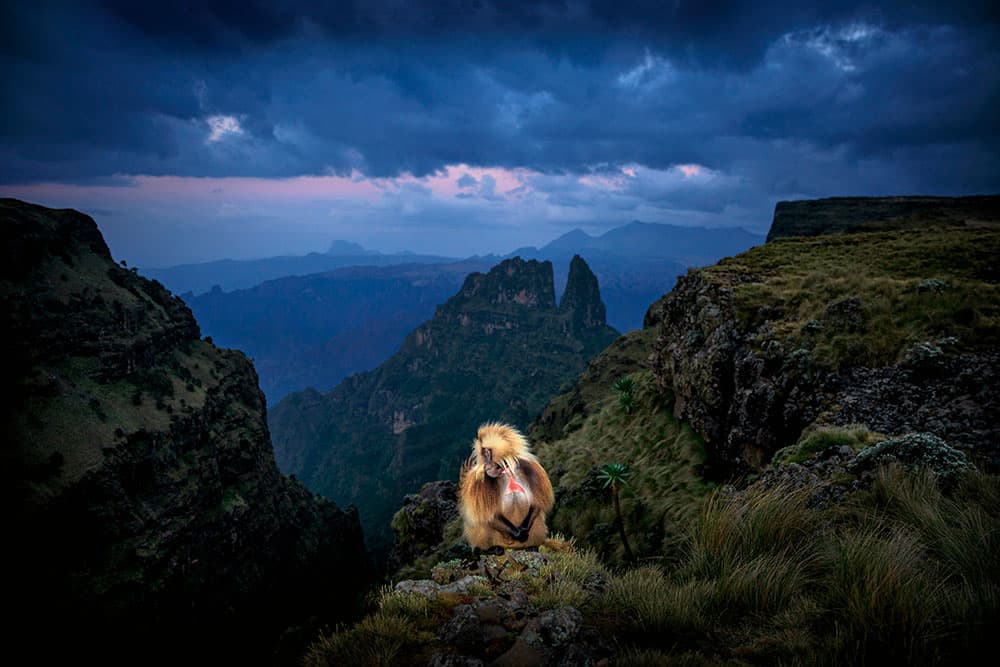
(382, 88)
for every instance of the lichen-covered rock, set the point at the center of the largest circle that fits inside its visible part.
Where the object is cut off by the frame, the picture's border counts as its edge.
(915, 450)
(494, 617)
(554, 628)
(419, 525)
(463, 630)
(956, 401)
(429, 588)
(741, 397)
(452, 660)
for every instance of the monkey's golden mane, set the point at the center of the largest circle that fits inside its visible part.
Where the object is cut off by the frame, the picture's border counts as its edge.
(506, 443)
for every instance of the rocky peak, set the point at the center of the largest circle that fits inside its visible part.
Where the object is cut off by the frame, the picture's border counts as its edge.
(582, 297)
(29, 233)
(528, 283)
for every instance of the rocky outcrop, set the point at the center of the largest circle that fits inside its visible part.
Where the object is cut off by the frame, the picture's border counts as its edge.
(837, 215)
(141, 498)
(497, 350)
(513, 281)
(582, 297)
(748, 393)
(744, 368)
(501, 624)
(419, 526)
(741, 390)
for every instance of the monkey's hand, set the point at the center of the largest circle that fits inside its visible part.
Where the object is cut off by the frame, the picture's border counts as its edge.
(519, 534)
(516, 533)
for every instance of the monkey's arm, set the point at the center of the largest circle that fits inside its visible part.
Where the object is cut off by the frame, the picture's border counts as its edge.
(516, 533)
(542, 496)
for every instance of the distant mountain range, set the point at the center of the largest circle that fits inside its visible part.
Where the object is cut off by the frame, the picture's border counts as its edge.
(315, 330)
(691, 246)
(231, 274)
(312, 327)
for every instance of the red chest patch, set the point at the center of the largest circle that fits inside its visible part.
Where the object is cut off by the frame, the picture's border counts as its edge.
(514, 487)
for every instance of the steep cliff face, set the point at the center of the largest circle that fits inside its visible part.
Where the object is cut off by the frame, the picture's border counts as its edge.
(733, 384)
(836, 215)
(497, 350)
(140, 492)
(896, 330)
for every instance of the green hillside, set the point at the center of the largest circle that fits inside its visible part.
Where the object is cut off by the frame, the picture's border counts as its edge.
(496, 351)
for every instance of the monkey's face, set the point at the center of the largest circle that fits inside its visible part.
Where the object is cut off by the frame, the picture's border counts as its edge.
(497, 448)
(492, 468)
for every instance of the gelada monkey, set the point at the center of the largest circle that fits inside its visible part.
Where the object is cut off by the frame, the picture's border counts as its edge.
(504, 493)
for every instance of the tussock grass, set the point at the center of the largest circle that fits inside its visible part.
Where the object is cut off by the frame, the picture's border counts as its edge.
(379, 640)
(579, 567)
(880, 586)
(905, 572)
(644, 602)
(736, 529)
(799, 278)
(409, 605)
(561, 593)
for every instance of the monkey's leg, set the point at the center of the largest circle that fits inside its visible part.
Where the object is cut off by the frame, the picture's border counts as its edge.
(538, 531)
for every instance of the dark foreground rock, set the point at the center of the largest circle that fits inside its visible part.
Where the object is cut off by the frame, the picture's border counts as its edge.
(145, 518)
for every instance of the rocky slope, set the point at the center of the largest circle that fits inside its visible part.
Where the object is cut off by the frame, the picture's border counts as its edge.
(835, 215)
(146, 518)
(895, 330)
(496, 350)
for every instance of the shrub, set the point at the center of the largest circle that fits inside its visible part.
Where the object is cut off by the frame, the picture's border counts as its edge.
(625, 386)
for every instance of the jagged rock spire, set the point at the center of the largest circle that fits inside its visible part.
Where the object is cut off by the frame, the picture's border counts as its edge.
(582, 297)
(514, 281)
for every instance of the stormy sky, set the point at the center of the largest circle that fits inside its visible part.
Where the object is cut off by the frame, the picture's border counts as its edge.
(198, 130)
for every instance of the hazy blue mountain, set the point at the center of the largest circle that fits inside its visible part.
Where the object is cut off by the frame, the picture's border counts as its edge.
(348, 248)
(637, 263)
(315, 330)
(231, 274)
